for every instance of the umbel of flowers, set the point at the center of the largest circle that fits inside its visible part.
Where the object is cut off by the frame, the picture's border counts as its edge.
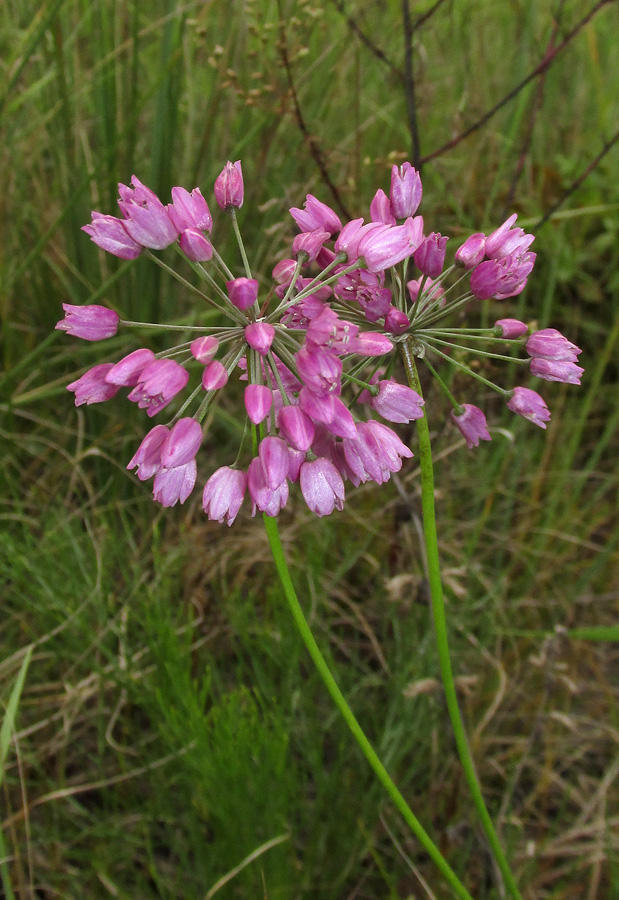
(317, 347)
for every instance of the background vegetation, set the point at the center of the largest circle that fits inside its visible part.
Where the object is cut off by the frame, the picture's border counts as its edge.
(170, 723)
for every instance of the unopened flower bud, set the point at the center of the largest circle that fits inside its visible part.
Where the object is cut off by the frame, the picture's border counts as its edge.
(243, 292)
(229, 189)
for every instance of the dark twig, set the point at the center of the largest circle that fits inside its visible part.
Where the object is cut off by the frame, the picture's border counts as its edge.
(423, 18)
(371, 46)
(409, 83)
(577, 183)
(310, 140)
(541, 67)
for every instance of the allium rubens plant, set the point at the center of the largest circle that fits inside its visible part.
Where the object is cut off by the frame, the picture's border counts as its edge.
(320, 347)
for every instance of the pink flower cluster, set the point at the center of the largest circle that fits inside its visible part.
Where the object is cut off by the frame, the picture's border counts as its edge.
(318, 353)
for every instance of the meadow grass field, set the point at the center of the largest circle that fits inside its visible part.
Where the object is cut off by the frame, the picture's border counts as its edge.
(171, 738)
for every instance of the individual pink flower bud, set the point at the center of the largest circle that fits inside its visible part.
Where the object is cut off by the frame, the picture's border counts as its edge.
(126, 372)
(371, 343)
(388, 245)
(502, 278)
(322, 486)
(195, 246)
(396, 321)
(316, 216)
(472, 423)
(259, 336)
(397, 402)
(283, 272)
(308, 244)
(147, 457)
(529, 405)
(406, 191)
(264, 498)
(393, 450)
(215, 376)
(556, 370)
(361, 454)
(273, 453)
(204, 349)
(110, 234)
(223, 494)
(510, 328)
(430, 255)
(296, 458)
(258, 402)
(91, 323)
(149, 223)
(296, 427)
(472, 250)
(551, 344)
(92, 386)
(320, 370)
(172, 485)
(229, 189)
(159, 382)
(413, 287)
(380, 209)
(243, 292)
(190, 210)
(507, 240)
(182, 443)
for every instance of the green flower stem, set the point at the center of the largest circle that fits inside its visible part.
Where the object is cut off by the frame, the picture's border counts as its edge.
(440, 625)
(239, 240)
(318, 659)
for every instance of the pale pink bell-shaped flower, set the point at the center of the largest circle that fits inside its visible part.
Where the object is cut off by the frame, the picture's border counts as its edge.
(182, 443)
(507, 240)
(392, 449)
(92, 386)
(190, 210)
(138, 193)
(172, 485)
(430, 255)
(397, 402)
(406, 191)
(472, 424)
(204, 349)
(556, 370)
(109, 233)
(229, 189)
(146, 218)
(316, 216)
(551, 344)
(322, 486)
(341, 423)
(309, 244)
(350, 235)
(215, 376)
(472, 251)
(328, 331)
(243, 292)
(320, 370)
(511, 328)
(258, 402)
(264, 498)
(159, 382)
(259, 336)
(361, 454)
(223, 494)
(529, 405)
(91, 323)
(195, 246)
(126, 372)
(501, 278)
(380, 209)
(147, 457)
(296, 427)
(388, 245)
(319, 407)
(274, 453)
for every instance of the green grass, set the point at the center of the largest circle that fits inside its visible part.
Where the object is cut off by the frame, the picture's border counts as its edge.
(170, 724)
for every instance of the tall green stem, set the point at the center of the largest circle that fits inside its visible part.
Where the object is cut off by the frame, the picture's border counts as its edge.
(440, 625)
(347, 714)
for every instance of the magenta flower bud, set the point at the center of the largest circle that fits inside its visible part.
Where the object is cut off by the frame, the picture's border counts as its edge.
(380, 209)
(215, 376)
(92, 386)
(159, 382)
(472, 423)
(406, 191)
(91, 323)
(322, 486)
(430, 255)
(147, 457)
(320, 370)
(195, 246)
(396, 321)
(501, 278)
(110, 234)
(172, 485)
(388, 245)
(243, 292)
(316, 216)
(189, 210)
(309, 243)
(274, 456)
(472, 250)
(223, 494)
(204, 349)
(371, 343)
(550, 344)
(259, 336)
(556, 370)
(149, 225)
(283, 272)
(413, 287)
(529, 405)
(510, 328)
(296, 427)
(126, 372)
(229, 189)
(182, 443)
(264, 498)
(258, 402)
(397, 402)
